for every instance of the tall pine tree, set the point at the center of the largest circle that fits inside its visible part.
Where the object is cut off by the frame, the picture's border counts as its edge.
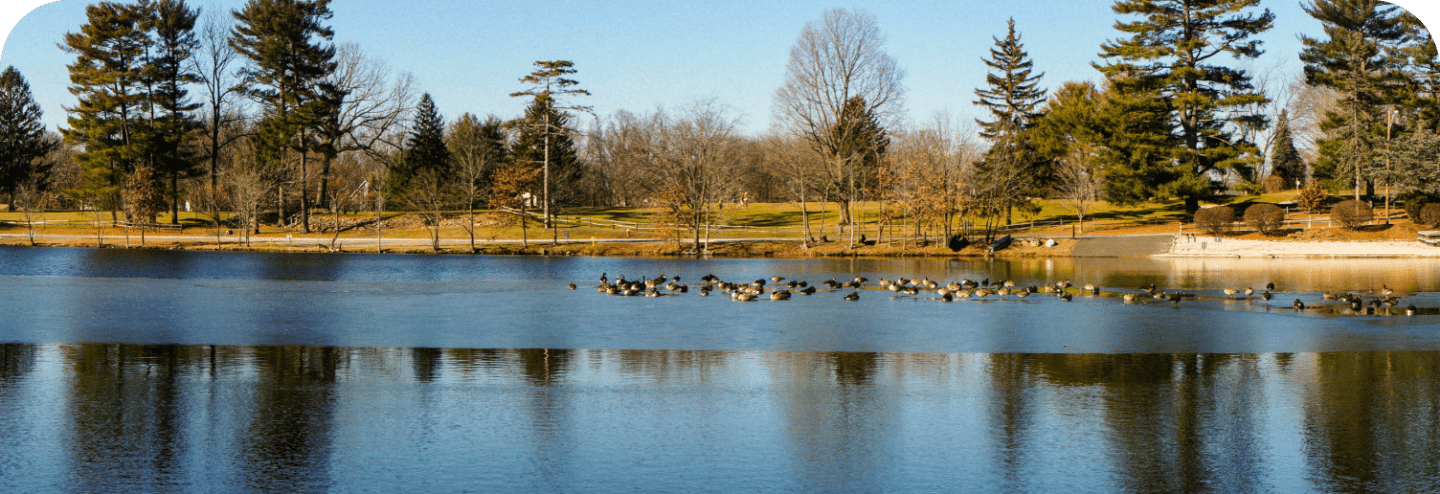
(172, 125)
(108, 119)
(425, 150)
(1356, 59)
(23, 142)
(1172, 56)
(1014, 97)
(544, 123)
(290, 54)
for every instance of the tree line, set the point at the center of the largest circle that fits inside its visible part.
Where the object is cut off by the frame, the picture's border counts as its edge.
(283, 120)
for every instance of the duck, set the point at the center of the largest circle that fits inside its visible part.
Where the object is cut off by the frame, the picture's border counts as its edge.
(853, 296)
(1298, 305)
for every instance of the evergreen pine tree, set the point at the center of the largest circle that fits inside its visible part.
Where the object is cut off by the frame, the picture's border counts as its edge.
(863, 142)
(425, 149)
(1285, 161)
(1013, 98)
(1171, 55)
(173, 126)
(23, 142)
(290, 56)
(108, 119)
(541, 117)
(1355, 59)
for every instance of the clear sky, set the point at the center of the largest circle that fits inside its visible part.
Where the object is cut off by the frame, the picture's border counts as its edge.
(637, 55)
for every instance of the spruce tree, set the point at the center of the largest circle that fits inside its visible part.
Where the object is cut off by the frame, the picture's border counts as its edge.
(1013, 98)
(290, 55)
(1172, 55)
(425, 149)
(863, 141)
(1356, 59)
(1285, 161)
(543, 121)
(23, 141)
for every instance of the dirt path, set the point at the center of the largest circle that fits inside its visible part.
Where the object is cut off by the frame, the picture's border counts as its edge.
(1124, 246)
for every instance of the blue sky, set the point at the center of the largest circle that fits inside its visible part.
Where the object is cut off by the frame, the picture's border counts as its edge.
(638, 55)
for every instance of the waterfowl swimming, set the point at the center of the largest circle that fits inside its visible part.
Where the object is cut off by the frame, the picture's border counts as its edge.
(1270, 286)
(672, 287)
(1230, 291)
(945, 297)
(1266, 296)
(742, 297)
(777, 279)
(909, 290)
(1095, 291)
(807, 290)
(1002, 292)
(1248, 291)
(1130, 297)
(1355, 304)
(1008, 283)
(780, 295)
(1410, 310)
(604, 280)
(1149, 288)
(1327, 296)
(962, 294)
(705, 291)
(1022, 293)
(983, 292)
(853, 296)
(709, 278)
(1385, 290)
(571, 286)
(1089, 287)
(861, 279)
(1298, 305)
(1066, 297)
(832, 283)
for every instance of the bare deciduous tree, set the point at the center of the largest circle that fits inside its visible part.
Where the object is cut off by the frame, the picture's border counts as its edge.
(838, 58)
(367, 108)
(1079, 179)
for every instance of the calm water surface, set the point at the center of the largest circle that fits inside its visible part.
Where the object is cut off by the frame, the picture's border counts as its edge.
(233, 372)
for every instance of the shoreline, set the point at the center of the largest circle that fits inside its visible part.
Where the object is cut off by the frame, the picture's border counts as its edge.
(1094, 246)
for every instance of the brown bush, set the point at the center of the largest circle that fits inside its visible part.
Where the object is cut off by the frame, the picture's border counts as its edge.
(1311, 197)
(1351, 214)
(1429, 215)
(1216, 220)
(1265, 217)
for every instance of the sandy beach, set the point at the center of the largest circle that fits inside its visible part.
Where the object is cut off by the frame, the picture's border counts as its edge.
(1202, 246)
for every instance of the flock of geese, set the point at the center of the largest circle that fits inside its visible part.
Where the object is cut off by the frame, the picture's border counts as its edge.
(782, 289)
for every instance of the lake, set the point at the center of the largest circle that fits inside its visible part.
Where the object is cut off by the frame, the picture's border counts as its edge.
(236, 372)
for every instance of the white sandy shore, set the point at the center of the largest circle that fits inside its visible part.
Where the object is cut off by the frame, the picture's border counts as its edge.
(1201, 246)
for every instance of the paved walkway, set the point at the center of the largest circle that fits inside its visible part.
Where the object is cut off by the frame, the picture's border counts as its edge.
(1124, 246)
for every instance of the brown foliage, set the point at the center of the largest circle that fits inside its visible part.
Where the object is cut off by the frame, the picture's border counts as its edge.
(1311, 197)
(1272, 184)
(1429, 215)
(1265, 217)
(1216, 220)
(1351, 214)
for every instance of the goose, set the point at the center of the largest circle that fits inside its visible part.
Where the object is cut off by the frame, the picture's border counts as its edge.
(1270, 286)
(780, 295)
(861, 279)
(758, 283)
(1002, 292)
(709, 278)
(650, 282)
(684, 288)
(983, 292)
(1159, 295)
(791, 284)
(1095, 290)
(1175, 297)
(1149, 288)
(1230, 291)
(652, 293)
(604, 280)
(850, 284)
(930, 284)
(1249, 291)
(1008, 283)
(1298, 305)
(853, 296)
(1130, 297)
(1022, 293)
(1410, 310)
(884, 281)
(985, 282)
(832, 283)
(909, 290)
(803, 284)
(630, 292)
(807, 290)
(672, 287)
(892, 287)
(1066, 297)
(1266, 296)
(570, 286)
(945, 297)
(743, 297)
(902, 281)
(969, 284)
(1385, 290)
(777, 279)
(962, 294)
(705, 291)
(1327, 296)
(1355, 305)
(953, 286)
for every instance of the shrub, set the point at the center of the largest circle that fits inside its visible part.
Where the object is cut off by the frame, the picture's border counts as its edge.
(1414, 200)
(1311, 197)
(1216, 220)
(1265, 217)
(1351, 214)
(1429, 215)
